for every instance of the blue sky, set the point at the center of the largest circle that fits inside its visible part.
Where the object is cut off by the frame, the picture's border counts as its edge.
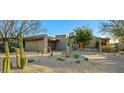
(55, 27)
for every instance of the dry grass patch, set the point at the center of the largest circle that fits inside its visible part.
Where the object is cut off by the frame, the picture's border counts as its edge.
(32, 69)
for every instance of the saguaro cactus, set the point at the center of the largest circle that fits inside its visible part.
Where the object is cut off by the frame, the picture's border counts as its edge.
(68, 47)
(8, 64)
(5, 65)
(22, 54)
(6, 61)
(17, 58)
(26, 59)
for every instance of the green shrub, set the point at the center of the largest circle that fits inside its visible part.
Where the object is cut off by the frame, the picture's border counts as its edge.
(76, 56)
(77, 61)
(30, 60)
(122, 49)
(113, 50)
(61, 58)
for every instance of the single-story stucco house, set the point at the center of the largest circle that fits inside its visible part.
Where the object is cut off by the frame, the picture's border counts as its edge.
(59, 42)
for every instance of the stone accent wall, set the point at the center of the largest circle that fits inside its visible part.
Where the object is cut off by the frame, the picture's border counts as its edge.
(61, 45)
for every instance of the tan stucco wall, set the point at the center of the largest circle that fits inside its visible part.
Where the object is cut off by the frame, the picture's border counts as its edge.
(34, 45)
(92, 43)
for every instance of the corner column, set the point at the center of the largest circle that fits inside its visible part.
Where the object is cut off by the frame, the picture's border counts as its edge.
(100, 47)
(45, 44)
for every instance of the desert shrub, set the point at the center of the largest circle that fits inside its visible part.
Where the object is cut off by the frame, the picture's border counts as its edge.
(76, 56)
(110, 49)
(113, 50)
(30, 60)
(116, 50)
(61, 58)
(122, 49)
(77, 61)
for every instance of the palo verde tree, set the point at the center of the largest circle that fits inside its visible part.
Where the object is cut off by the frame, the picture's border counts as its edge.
(83, 35)
(115, 28)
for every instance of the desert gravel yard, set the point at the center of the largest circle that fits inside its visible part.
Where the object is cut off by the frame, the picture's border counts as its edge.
(52, 65)
(48, 64)
(67, 66)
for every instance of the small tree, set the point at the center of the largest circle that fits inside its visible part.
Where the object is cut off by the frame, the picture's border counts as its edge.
(83, 35)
